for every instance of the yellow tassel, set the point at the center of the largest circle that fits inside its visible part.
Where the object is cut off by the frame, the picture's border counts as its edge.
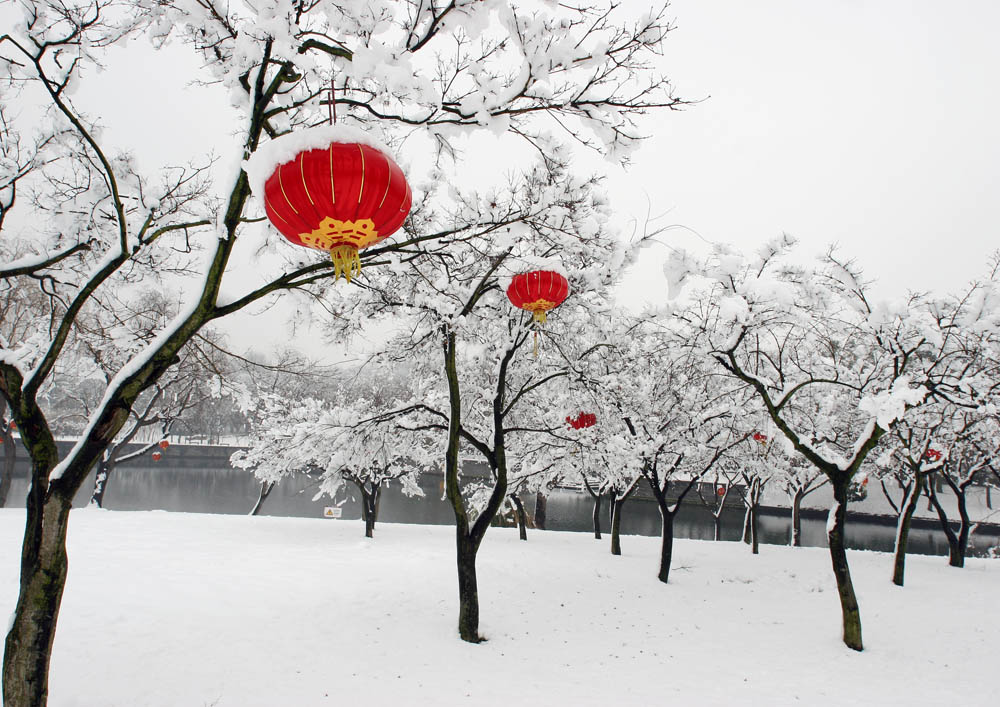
(540, 316)
(345, 262)
(536, 344)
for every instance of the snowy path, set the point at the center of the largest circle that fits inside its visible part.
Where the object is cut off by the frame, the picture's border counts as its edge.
(183, 609)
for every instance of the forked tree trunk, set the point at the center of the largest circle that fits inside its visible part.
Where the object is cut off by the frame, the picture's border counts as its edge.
(835, 527)
(468, 536)
(43, 576)
(755, 527)
(747, 526)
(907, 508)
(957, 543)
(717, 521)
(522, 530)
(265, 491)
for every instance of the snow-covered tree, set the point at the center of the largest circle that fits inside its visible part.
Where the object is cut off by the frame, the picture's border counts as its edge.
(105, 218)
(350, 442)
(970, 447)
(905, 462)
(797, 334)
(677, 415)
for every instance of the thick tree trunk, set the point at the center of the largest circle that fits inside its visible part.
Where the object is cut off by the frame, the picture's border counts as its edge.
(717, 520)
(835, 527)
(541, 510)
(43, 576)
(104, 470)
(666, 544)
(747, 524)
(7, 471)
(755, 526)
(468, 591)
(907, 508)
(956, 554)
(369, 504)
(964, 529)
(597, 516)
(616, 524)
(522, 526)
(265, 491)
(797, 518)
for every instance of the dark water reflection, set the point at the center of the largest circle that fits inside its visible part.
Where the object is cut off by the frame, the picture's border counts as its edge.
(230, 491)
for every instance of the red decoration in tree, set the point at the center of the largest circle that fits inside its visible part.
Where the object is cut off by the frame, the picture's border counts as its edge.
(157, 456)
(164, 444)
(721, 491)
(538, 292)
(582, 420)
(760, 437)
(933, 455)
(13, 425)
(341, 199)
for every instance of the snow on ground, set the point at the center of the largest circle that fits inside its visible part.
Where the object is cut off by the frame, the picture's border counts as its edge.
(180, 609)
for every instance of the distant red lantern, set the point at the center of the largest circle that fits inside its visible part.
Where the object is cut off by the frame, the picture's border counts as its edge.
(164, 444)
(760, 437)
(13, 425)
(538, 292)
(933, 455)
(341, 198)
(582, 420)
(157, 456)
(721, 491)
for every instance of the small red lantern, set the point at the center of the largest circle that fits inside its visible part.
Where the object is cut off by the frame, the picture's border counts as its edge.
(721, 491)
(933, 455)
(538, 292)
(341, 197)
(164, 444)
(582, 420)
(157, 456)
(760, 437)
(13, 425)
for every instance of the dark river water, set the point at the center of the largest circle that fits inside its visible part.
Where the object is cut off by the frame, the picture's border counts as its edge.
(226, 490)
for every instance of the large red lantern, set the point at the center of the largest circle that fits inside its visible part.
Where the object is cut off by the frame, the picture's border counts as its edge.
(582, 420)
(538, 292)
(331, 189)
(156, 456)
(164, 444)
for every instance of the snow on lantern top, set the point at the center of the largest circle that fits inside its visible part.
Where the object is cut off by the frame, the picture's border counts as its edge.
(332, 188)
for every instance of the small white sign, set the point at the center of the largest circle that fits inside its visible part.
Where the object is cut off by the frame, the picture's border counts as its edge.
(332, 512)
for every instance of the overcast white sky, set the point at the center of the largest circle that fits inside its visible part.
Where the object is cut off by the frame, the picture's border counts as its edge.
(871, 124)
